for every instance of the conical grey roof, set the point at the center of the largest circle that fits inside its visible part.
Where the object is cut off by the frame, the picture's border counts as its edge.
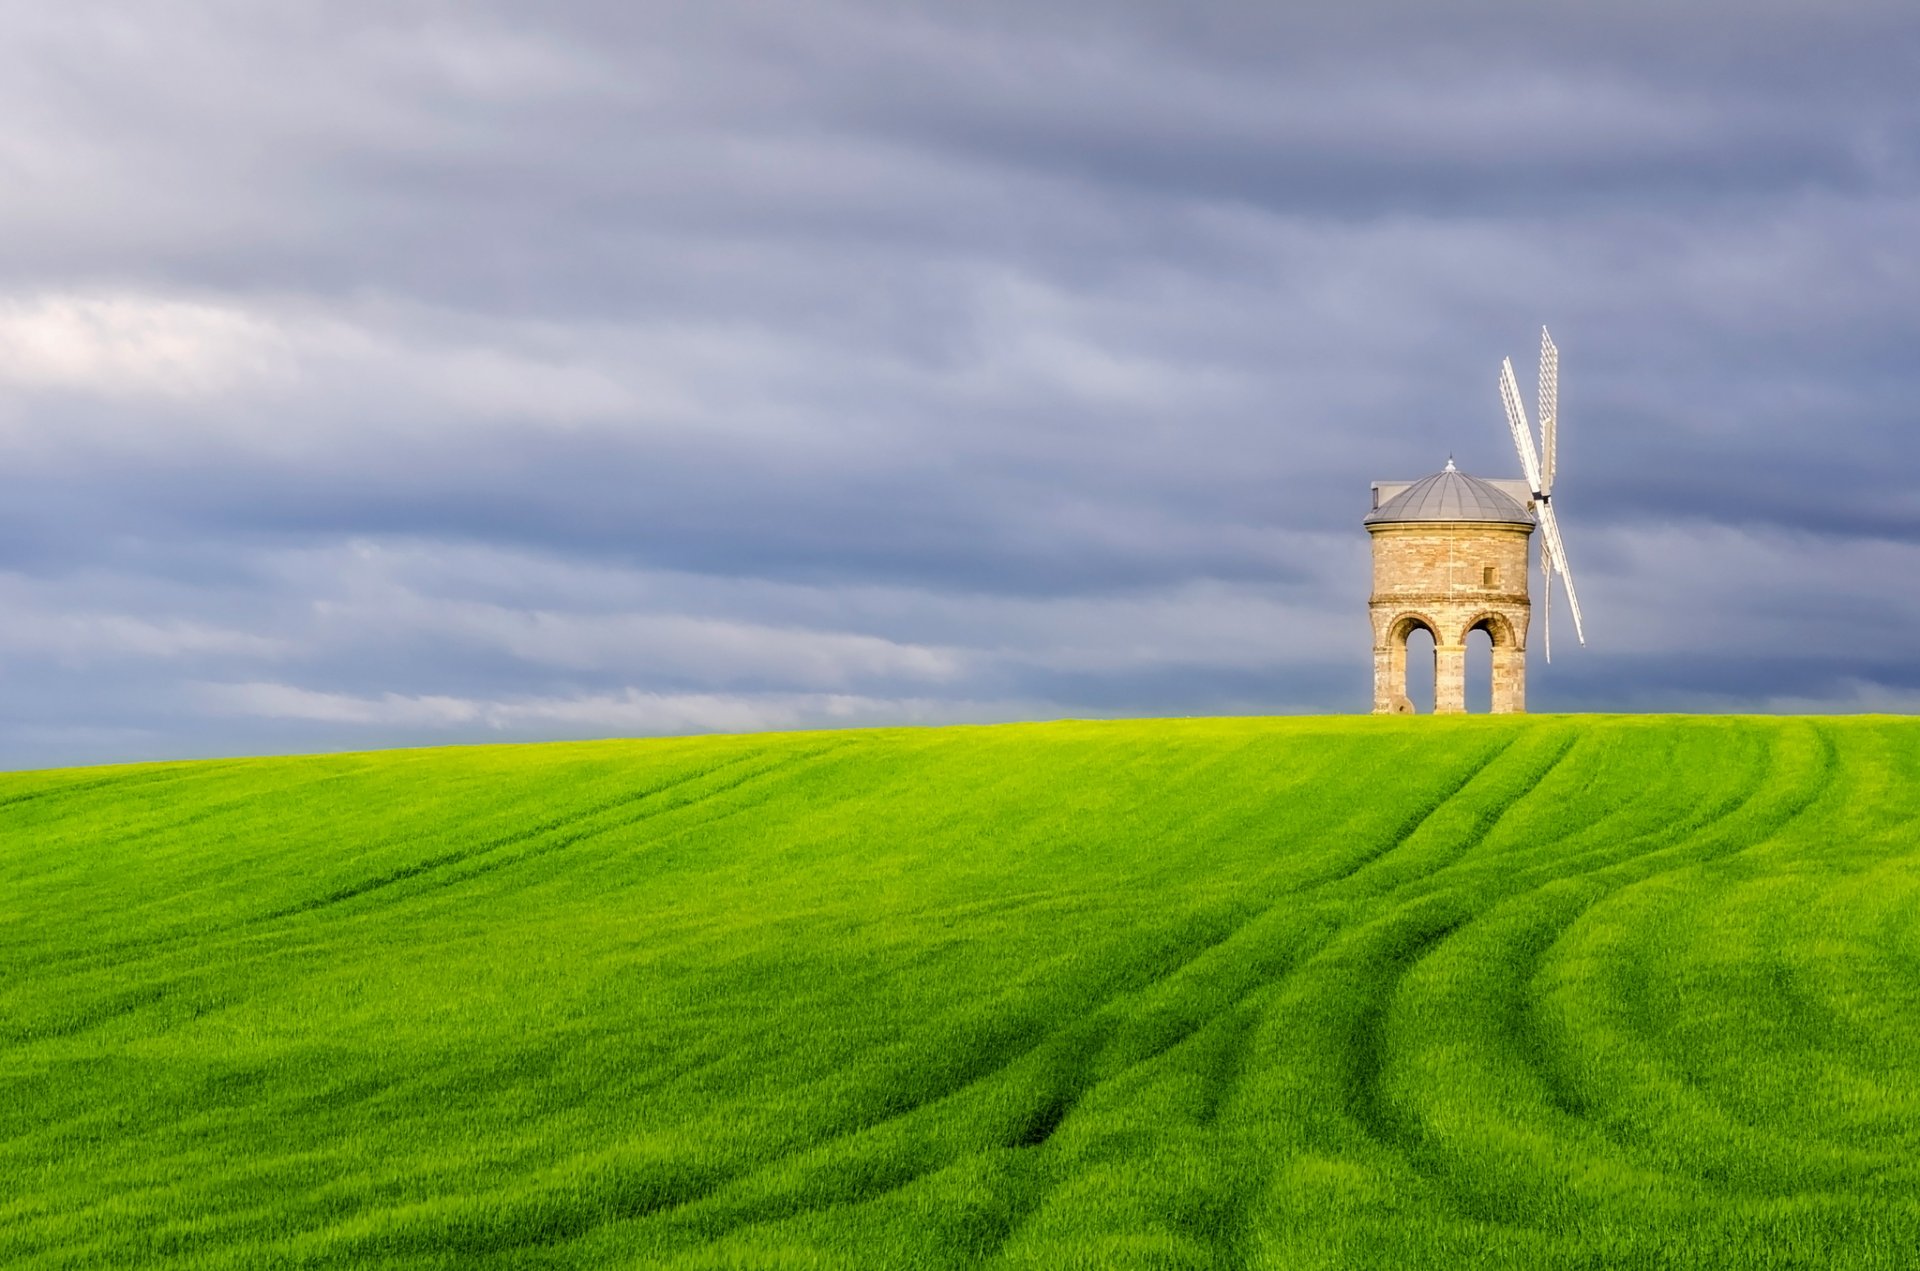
(1451, 495)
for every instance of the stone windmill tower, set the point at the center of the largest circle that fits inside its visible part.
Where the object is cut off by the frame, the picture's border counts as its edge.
(1450, 556)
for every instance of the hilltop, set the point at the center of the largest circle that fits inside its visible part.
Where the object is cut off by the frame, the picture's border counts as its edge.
(1516, 992)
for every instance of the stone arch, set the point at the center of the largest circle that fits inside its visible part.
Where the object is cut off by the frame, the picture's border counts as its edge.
(1390, 660)
(1403, 625)
(1509, 657)
(1497, 625)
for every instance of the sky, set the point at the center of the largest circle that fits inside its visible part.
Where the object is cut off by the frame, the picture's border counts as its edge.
(403, 373)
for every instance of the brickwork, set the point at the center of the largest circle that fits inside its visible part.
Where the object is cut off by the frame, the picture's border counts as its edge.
(1449, 577)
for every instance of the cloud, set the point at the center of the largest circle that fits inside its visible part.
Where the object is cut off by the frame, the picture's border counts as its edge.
(44, 625)
(629, 711)
(133, 347)
(663, 644)
(441, 363)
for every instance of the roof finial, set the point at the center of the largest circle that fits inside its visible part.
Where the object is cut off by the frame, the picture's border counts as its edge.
(1450, 467)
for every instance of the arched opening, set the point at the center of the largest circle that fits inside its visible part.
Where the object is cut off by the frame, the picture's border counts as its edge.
(1419, 687)
(1480, 669)
(1495, 667)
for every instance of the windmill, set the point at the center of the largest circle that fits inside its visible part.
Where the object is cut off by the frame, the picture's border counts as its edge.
(1538, 468)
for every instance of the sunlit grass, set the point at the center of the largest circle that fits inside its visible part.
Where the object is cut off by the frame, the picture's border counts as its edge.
(1267, 993)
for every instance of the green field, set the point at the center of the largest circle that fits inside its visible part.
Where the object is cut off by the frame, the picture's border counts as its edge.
(1575, 991)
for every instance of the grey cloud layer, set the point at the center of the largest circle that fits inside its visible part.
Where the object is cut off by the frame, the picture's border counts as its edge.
(378, 373)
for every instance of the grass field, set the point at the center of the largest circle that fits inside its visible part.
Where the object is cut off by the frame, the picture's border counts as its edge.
(1567, 992)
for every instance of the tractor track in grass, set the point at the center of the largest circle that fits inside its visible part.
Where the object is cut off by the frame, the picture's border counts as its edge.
(1032, 1128)
(1588, 880)
(1303, 899)
(1413, 823)
(1411, 937)
(556, 825)
(692, 1203)
(1634, 865)
(1440, 911)
(1516, 866)
(1630, 863)
(150, 995)
(1686, 853)
(1678, 1066)
(1229, 1060)
(1091, 1040)
(121, 780)
(1055, 1101)
(1054, 1110)
(111, 952)
(1366, 1053)
(1039, 1123)
(1047, 1111)
(549, 836)
(1478, 829)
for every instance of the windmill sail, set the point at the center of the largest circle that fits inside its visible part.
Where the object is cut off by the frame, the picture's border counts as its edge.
(1549, 409)
(1546, 601)
(1551, 525)
(1517, 421)
(1537, 466)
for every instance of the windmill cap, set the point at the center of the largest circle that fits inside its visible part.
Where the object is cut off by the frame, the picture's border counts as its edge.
(1451, 495)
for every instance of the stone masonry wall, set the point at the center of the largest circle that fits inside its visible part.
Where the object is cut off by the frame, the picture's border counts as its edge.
(1436, 574)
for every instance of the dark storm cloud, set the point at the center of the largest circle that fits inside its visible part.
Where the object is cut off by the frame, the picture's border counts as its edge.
(391, 373)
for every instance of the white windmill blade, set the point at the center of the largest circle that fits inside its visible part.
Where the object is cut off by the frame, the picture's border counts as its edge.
(1551, 525)
(1517, 420)
(1546, 598)
(1549, 408)
(1546, 595)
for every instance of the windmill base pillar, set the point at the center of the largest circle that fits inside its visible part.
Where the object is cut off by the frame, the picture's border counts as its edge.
(1390, 679)
(1509, 680)
(1450, 679)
